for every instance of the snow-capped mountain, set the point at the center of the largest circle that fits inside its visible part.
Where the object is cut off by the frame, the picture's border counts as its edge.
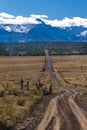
(39, 28)
(17, 27)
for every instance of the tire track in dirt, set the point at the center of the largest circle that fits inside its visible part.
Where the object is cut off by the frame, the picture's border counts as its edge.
(60, 116)
(51, 113)
(62, 113)
(68, 119)
(80, 114)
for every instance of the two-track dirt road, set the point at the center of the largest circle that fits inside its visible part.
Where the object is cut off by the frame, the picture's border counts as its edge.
(63, 113)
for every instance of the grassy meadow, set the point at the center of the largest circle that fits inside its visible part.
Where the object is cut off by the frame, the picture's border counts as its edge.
(71, 71)
(12, 69)
(14, 102)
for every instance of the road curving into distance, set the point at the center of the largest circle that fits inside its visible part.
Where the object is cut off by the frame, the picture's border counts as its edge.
(63, 113)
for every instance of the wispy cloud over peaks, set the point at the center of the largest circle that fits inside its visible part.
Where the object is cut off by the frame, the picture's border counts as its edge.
(67, 22)
(10, 19)
(6, 16)
(39, 16)
(32, 19)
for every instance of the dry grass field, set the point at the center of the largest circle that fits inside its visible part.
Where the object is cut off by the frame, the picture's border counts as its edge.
(71, 70)
(12, 69)
(14, 102)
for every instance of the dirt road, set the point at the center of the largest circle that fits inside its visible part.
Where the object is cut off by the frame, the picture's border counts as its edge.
(63, 113)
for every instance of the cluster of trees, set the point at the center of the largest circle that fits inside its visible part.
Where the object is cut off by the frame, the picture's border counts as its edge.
(37, 48)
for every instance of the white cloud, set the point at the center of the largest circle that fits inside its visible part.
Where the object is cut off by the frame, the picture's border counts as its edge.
(10, 19)
(6, 16)
(66, 22)
(39, 16)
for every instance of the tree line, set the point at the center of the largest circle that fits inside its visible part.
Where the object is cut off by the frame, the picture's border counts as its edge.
(37, 48)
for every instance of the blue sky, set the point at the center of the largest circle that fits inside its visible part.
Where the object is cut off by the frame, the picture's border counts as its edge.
(52, 8)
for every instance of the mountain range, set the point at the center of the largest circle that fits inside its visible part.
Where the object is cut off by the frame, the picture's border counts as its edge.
(39, 28)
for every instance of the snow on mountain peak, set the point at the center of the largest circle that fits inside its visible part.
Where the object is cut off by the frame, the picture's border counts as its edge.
(7, 28)
(84, 33)
(8, 19)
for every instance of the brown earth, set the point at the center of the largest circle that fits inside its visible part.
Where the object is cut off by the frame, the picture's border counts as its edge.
(36, 113)
(57, 112)
(64, 111)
